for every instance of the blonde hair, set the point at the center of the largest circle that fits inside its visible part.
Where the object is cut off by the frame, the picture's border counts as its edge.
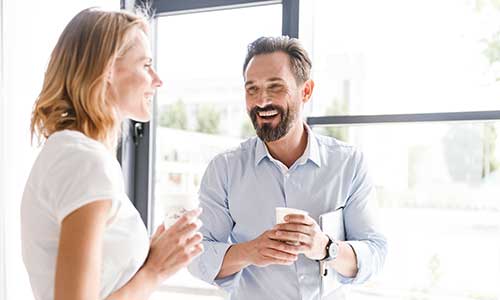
(74, 92)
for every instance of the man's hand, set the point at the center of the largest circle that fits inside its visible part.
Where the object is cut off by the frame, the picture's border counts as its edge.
(271, 247)
(262, 251)
(302, 230)
(265, 250)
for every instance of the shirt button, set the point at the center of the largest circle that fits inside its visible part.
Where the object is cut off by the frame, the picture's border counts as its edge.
(301, 277)
(287, 175)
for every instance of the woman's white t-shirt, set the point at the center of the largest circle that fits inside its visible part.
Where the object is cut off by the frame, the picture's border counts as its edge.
(73, 170)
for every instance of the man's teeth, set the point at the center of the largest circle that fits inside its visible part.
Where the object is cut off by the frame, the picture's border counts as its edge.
(268, 113)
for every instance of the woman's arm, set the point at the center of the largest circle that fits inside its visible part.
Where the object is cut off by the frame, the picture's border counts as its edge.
(80, 252)
(170, 251)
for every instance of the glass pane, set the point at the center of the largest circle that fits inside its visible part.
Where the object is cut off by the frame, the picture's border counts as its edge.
(438, 188)
(201, 107)
(403, 56)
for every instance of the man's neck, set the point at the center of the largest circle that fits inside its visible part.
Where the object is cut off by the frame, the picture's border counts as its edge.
(290, 147)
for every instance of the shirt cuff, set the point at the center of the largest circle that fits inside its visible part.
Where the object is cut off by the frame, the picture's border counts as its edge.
(364, 262)
(208, 265)
(228, 283)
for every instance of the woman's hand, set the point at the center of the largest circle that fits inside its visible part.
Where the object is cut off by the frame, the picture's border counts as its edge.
(173, 249)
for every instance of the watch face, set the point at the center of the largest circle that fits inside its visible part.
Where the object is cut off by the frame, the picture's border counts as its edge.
(333, 250)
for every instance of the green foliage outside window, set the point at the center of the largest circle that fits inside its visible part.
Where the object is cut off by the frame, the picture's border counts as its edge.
(208, 119)
(174, 116)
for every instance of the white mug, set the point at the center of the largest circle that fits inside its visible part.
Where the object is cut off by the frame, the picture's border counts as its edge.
(281, 212)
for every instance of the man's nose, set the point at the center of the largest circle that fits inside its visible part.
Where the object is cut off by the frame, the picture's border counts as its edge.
(263, 99)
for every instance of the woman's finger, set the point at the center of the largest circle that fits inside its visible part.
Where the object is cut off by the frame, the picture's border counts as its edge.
(197, 250)
(189, 229)
(194, 240)
(159, 230)
(187, 218)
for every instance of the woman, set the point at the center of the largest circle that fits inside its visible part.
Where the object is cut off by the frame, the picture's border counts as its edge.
(81, 236)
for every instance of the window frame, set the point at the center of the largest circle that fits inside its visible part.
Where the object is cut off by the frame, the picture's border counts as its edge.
(137, 149)
(346, 120)
(3, 158)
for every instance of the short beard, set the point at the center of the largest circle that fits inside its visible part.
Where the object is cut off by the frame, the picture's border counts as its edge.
(268, 133)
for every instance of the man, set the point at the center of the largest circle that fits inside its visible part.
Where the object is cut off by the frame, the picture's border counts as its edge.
(286, 166)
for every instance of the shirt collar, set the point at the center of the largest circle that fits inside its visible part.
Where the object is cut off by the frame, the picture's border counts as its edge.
(311, 152)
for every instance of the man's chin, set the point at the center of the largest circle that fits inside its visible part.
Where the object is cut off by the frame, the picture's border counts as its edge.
(273, 124)
(266, 127)
(268, 134)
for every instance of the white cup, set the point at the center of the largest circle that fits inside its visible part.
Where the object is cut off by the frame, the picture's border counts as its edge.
(281, 212)
(179, 205)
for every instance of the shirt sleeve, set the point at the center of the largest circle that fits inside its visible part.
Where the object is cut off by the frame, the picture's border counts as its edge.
(217, 226)
(361, 227)
(83, 177)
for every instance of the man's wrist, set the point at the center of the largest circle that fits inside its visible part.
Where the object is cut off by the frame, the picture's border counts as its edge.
(243, 254)
(235, 259)
(331, 250)
(325, 248)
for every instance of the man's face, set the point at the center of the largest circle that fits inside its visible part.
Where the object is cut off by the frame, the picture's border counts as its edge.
(273, 98)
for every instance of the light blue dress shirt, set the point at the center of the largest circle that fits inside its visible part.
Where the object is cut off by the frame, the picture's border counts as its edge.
(239, 193)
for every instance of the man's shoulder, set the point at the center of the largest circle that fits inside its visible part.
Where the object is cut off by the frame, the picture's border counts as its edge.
(333, 145)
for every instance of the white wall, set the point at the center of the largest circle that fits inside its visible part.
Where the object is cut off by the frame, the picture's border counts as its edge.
(2, 158)
(30, 31)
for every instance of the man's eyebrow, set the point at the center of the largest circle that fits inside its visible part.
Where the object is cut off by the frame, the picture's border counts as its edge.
(248, 83)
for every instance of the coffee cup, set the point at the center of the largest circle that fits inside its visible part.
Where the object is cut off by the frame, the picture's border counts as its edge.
(282, 212)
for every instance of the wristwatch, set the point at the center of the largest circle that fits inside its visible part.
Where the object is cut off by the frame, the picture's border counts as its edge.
(332, 250)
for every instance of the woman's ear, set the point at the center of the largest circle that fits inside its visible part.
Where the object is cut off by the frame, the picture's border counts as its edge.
(110, 71)
(109, 76)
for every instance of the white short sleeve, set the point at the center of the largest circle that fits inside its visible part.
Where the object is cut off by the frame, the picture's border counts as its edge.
(82, 176)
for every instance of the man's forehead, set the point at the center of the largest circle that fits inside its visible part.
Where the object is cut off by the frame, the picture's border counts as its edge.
(269, 66)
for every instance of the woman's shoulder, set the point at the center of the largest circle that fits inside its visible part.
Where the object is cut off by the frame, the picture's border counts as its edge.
(74, 142)
(69, 147)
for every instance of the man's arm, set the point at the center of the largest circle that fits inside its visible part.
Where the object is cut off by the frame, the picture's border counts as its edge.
(261, 252)
(363, 232)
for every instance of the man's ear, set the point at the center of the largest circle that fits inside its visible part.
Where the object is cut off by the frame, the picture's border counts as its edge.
(307, 90)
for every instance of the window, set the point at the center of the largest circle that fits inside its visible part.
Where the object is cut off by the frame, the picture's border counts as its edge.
(200, 110)
(388, 57)
(437, 189)
(401, 62)
(413, 84)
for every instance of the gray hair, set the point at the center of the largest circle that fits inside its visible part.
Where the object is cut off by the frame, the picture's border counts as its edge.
(300, 62)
